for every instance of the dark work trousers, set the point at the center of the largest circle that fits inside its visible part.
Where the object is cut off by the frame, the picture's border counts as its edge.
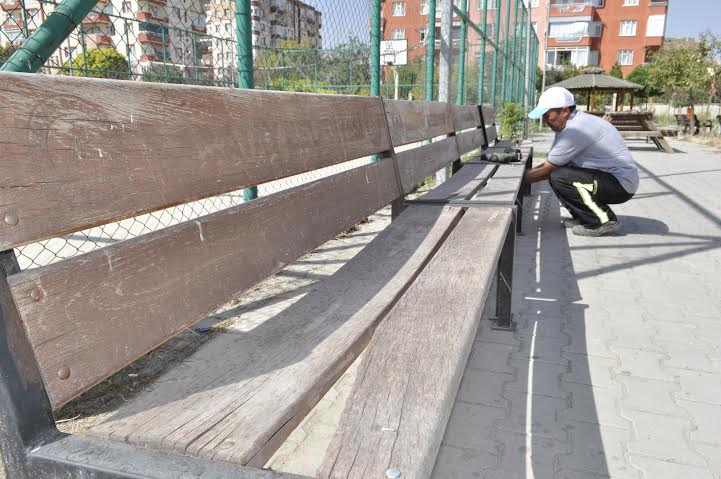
(587, 193)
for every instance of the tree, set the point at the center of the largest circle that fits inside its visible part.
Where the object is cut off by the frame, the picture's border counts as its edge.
(162, 73)
(513, 119)
(641, 75)
(98, 63)
(616, 71)
(682, 70)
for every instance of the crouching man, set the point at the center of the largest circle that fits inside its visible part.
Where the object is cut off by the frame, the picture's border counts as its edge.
(589, 166)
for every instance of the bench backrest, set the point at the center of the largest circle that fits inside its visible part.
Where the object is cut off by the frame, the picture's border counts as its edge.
(488, 116)
(84, 152)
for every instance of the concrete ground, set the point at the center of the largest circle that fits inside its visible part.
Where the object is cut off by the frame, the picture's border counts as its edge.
(615, 367)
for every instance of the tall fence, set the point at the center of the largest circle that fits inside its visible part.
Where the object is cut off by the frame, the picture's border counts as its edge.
(322, 46)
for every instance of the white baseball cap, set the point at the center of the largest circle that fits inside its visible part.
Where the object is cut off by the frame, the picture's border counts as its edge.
(554, 97)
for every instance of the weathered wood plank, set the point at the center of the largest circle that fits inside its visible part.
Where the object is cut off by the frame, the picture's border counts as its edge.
(411, 121)
(95, 313)
(465, 117)
(419, 163)
(407, 382)
(79, 152)
(240, 409)
(463, 184)
(470, 140)
(641, 134)
(489, 115)
(503, 187)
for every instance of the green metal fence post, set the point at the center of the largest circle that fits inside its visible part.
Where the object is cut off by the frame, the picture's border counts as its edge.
(430, 49)
(482, 59)
(376, 48)
(511, 90)
(48, 37)
(244, 37)
(497, 25)
(462, 56)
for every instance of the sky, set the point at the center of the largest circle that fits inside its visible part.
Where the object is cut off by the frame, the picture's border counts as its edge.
(688, 18)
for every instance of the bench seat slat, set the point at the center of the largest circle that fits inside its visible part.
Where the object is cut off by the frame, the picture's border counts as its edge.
(83, 152)
(407, 382)
(410, 122)
(419, 163)
(503, 187)
(463, 184)
(243, 394)
(102, 310)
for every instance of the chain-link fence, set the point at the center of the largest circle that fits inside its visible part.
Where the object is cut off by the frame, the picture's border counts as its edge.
(322, 46)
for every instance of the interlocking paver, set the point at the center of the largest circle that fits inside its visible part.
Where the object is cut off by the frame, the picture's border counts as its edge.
(594, 405)
(643, 364)
(600, 450)
(707, 422)
(662, 437)
(657, 468)
(650, 395)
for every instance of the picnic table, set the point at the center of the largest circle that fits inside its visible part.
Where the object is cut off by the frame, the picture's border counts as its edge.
(637, 124)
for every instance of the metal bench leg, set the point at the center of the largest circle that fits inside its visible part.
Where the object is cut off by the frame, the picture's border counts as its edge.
(397, 207)
(504, 282)
(25, 412)
(519, 214)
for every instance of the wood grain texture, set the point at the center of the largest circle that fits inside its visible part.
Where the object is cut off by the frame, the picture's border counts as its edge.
(463, 185)
(102, 310)
(465, 117)
(241, 395)
(503, 187)
(419, 163)
(408, 380)
(80, 152)
(411, 121)
(470, 140)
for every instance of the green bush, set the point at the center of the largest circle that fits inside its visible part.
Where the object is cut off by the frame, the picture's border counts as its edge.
(98, 63)
(513, 120)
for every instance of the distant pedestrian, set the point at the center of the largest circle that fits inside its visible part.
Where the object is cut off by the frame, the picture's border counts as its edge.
(589, 166)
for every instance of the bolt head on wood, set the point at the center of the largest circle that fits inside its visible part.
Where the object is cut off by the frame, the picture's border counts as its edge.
(11, 218)
(393, 473)
(36, 294)
(64, 373)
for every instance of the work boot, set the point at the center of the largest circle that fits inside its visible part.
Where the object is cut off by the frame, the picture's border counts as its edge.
(605, 229)
(571, 222)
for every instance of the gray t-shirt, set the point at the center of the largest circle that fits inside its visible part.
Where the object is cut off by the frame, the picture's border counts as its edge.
(591, 142)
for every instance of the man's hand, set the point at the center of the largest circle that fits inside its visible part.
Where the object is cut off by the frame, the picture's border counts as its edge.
(539, 173)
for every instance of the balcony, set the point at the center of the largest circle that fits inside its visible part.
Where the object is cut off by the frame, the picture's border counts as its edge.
(153, 38)
(99, 19)
(155, 2)
(199, 28)
(10, 6)
(575, 8)
(13, 26)
(149, 17)
(99, 39)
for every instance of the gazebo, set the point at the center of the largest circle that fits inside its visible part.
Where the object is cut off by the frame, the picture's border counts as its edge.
(595, 81)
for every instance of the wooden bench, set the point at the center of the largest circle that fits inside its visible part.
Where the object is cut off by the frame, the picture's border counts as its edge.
(83, 152)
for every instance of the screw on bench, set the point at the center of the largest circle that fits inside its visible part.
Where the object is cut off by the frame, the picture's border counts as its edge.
(393, 473)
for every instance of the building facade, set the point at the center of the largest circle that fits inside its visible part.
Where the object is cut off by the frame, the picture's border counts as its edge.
(196, 37)
(600, 32)
(580, 32)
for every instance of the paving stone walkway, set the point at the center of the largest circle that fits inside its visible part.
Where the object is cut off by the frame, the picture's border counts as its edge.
(615, 367)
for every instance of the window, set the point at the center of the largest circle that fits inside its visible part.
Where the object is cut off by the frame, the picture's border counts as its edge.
(491, 4)
(628, 28)
(399, 9)
(398, 34)
(574, 31)
(126, 7)
(656, 25)
(424, 7)
(630, 3)
(625, 57)
(578, 56)
(424, 34)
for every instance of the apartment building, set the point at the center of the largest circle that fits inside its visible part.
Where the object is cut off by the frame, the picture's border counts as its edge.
(580, 32)
(601, 32)
(196, 36)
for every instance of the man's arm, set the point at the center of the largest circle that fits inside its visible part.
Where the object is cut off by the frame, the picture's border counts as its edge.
(539, 173)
